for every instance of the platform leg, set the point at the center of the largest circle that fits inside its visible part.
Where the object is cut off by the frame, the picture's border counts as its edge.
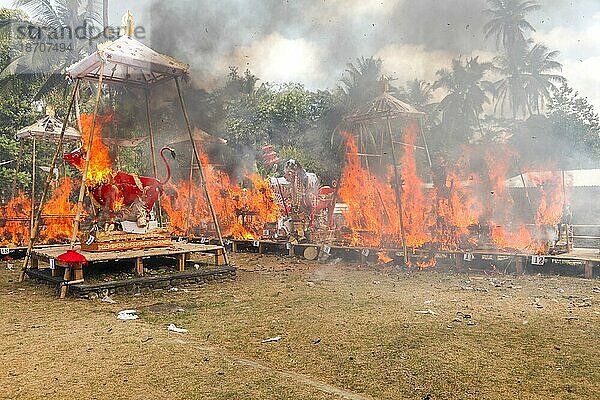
(66, 278)
(55, 272)
(589, 270)
(139, 266)
(219, 258)
(459, 261)
(35, 263)
(519, 262)
(234, 246)
(261, 247)
(291, 250)
(78, 273)
(181, 263)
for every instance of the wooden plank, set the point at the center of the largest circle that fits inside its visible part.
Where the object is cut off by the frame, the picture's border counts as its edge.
(66, 278)
(35, 263)
(519, 265)
(589, 270)
(139, 266)
(45, 253)
(181, 263)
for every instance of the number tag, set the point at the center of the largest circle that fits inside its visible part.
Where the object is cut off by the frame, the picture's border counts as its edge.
(365, 252)
(266, 232)
(90, 240)
(538, 260)
(203, 240)
(4, 251)
(288, 245)
(52, 265)
(227, 242)
(256, 243)
(468, 257)
(326, 249)
(179, 239)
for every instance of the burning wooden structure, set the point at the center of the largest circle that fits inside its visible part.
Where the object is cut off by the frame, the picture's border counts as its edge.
(130, 63)
(16, 221)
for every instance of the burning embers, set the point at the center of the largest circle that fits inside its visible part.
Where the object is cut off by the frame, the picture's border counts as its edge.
(469, 205)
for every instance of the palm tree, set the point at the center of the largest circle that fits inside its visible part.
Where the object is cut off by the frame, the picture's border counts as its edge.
(508, 24)
(527, 79)
(417, 92)
(59, 16)
(361, 82)
(540, 62)
(467, 93)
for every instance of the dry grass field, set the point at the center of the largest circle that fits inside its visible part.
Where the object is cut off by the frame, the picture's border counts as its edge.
(347, 331)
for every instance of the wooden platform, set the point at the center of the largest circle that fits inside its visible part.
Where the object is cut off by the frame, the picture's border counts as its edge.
(75, 275)
(588, 258)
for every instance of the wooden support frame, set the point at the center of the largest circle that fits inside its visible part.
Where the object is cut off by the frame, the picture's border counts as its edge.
(200, 169)
(397, 189)
(153, 150)
(36, 225)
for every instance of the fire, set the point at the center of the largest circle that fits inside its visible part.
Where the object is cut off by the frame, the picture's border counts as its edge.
(100, 168)
(242, 211)
(57, 217)
(469, 205)
(58, 213)
(14, 223)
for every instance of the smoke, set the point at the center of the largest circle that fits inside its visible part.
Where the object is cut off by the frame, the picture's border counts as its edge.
(312, 41)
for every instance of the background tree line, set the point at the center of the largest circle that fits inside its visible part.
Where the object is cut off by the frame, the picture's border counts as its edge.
(517, 97)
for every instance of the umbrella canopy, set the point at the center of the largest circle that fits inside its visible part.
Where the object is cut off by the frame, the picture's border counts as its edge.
(129, 62)
(72, 258)
(48, 128)
(384, 106)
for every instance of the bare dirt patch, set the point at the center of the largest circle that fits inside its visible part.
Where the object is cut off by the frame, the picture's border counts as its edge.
(346, 330)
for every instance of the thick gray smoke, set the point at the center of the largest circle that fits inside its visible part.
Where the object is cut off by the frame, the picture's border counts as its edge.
(212, 35)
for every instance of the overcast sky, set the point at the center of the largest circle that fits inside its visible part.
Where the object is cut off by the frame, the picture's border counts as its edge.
(310, 41)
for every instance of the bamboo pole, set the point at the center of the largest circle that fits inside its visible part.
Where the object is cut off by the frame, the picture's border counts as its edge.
(189, 202)
(87, 161)
(202, 177)
(36, 224)
(153, 151)
(398, 190)
(425, 143)
(33, 160)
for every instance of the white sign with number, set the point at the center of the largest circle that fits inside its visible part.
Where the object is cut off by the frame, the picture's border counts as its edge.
(256, 243)
(288, 246)
(365, 252)
(266, 232)
(538, 260)
(4, 251)
(326, 249)
(468, 257)
(51, 262)
(203, 240)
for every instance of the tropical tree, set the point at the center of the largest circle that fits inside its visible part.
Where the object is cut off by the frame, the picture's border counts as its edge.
(527, 79)
(540, 63)
(361, 82)
(416, 92)
(507, 22)
(467, 93)
(70, 24)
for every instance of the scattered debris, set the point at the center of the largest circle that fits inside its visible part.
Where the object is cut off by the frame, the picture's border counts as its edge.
(126, 315)
(428, 312)
(273, 339)
(536, 303)
(596, 289)
(108, 299)
(173, 328)
(476, 289)
(317, 341)
(587, 302)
